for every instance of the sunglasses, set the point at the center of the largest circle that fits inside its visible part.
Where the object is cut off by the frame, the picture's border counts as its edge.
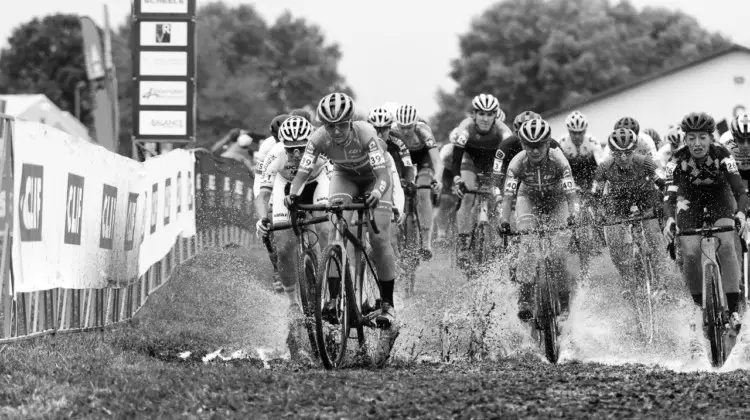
(296, 151)
(406, 127)
(341, 126)
(622, 154)
(535, 146)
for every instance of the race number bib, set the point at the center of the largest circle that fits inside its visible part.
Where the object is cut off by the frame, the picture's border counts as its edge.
(568, 185)
(669, 169)
(731, 165)
(306, 163)
(497, 167)
(461, 141)
(511, 185)
(376, 159)
(407, 161)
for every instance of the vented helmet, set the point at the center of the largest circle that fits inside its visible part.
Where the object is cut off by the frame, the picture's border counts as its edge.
(576, 122)
(335, 108)
(295, 131)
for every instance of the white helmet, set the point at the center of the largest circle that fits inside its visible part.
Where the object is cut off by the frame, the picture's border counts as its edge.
(335, 108)
(485, 102)
(576, 122)
(407, 115)
(295, 131)
(380, 117)
(244, 140)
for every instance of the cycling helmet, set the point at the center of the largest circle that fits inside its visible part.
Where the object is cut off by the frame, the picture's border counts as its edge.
(676, 138)
(535, 131)
(295, 131)
(501, 116)
(407, 115)
(485, 102)
(654, 135)
(380, 117)
(740, 127)
(276, 123)
(523, 117)
(622, 139)
(576, 122)
(335, 108)
(698, 121)
(628, 122)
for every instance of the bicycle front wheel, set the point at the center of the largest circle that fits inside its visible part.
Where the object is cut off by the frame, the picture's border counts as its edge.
(411, 252)
(332, 312)
(307, 280)
(547, 307)
(714, 316)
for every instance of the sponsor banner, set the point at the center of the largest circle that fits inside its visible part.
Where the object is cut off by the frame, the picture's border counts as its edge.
(162, 93)
(92, 49)
(164, 34)
(74, 202)
(161, 123)
(163, 63)
(169, 210)
(224, 192)
(164, 6)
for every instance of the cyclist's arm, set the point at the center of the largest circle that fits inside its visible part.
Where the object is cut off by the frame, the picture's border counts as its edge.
(462, 137)
(410, 172)
(437, 163)
(306, 166)
(652, 189)
(509, 194)
(569, 188)
(267, 179)
(498, 174)
(673, 175)
(598, 183)
(735, 182)
(376, 154)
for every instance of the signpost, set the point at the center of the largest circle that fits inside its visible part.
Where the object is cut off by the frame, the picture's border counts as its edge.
(164, 75)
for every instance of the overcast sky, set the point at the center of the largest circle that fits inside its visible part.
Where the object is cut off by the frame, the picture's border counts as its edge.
(393, 50)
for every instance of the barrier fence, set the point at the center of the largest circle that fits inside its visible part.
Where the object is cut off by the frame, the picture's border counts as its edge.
(87, 235)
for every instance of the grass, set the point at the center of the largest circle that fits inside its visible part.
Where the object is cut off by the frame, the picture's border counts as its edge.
(221, 300)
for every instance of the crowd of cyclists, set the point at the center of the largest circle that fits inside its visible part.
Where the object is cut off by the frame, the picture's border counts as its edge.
(537, 180)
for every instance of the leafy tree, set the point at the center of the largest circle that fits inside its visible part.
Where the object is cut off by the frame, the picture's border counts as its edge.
(540, 55)
(46, 56)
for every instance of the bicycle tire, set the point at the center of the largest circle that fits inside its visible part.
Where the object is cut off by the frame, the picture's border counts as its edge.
(307, 281)
(640, 291)
(714, 318)
(332, 354)
(547, 309)
(411, 254)
(366, 293)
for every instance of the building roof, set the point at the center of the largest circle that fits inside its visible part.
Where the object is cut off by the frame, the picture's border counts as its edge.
(15, 105)
(646, 79)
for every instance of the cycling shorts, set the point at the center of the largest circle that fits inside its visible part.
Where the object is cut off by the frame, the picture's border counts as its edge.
(689, 215)
(422, 160)
(531, 213)
(345, 186)
(478, 161)
(315, 192)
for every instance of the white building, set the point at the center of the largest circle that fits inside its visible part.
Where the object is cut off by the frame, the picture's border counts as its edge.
(38, 107)
(718, 84)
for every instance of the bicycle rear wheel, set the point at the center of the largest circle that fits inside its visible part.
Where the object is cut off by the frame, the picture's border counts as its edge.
(714, 316)
(332, 330)
(307, 280)
(547, 307)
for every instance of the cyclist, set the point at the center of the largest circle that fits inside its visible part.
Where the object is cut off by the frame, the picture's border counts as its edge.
(700, 176)
(675, 140)
(474, 152)
(654, 136)
(280, 167)
(624, 184)
(445, 215)
(264, 147)
(402, 169)
(541, 183)
(739, 144)
(359, 169)
(646, 144)
(418, 138)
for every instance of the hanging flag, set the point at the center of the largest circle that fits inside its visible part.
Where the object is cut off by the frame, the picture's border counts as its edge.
(96, 72)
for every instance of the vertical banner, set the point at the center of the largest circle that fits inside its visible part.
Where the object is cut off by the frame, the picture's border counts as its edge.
(111, 85)
(164, 72)
(73, 225)
(97, 74)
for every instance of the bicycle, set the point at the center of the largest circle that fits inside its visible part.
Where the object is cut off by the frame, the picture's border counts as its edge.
(357, 303)
(410, 235)
(307, 264)
(639, 288)
(714, 305)
(546, 304)
(480, 244)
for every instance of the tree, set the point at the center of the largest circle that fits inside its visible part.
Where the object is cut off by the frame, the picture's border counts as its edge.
(539, 55)
(46, 56)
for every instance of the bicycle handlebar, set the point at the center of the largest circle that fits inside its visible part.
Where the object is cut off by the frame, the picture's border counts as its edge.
(337, 208)
(705, 232)
(539, 232)
(629, 221)
(291, 225)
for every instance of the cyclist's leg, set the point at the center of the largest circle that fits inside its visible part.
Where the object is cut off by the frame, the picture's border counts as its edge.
(465, 213)
(691, 217)
(730, 267)
(445, 213)
(285, 240)
(323, 230)
(424, 198)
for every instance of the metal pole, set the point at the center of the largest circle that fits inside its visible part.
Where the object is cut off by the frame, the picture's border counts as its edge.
(77, 94)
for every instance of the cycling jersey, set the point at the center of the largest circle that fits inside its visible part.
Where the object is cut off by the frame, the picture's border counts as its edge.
(663, 155)
(260, 156)
(725, 138)
(697, 185)
(277, 164)
(625, 188)
(549, 179)
(582, 159)
(479, 147)
(742, 156)
(420, 138)
(401, 157)
(361, 156)
(507, 150)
